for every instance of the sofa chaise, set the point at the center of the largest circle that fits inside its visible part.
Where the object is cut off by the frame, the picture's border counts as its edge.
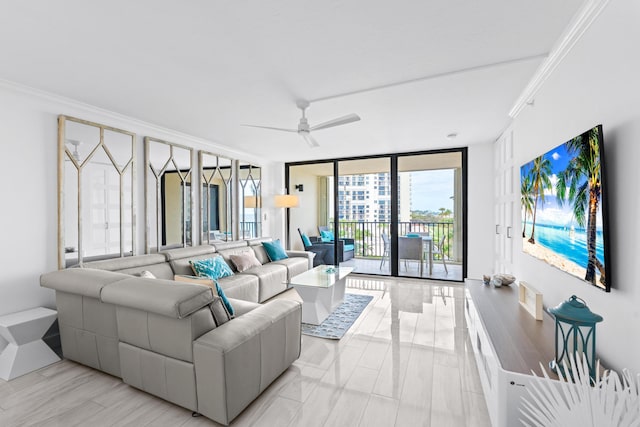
(161, 336)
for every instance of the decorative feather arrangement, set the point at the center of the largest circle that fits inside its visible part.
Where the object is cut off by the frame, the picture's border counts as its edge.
(577, 400)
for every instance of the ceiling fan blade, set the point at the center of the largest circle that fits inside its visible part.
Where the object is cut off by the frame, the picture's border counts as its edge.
(310, 140)
(349, 118)
(272, 128)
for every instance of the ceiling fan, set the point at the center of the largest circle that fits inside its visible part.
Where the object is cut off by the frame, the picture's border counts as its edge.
(304, 130)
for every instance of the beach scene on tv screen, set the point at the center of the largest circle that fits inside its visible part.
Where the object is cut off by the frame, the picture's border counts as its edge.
(561, 199)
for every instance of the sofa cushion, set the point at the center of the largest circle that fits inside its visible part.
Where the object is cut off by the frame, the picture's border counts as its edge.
(261, 253)
(244, 261)
(348, 247)
(275, 251)
(240, 286)
(179, 258)
(213, 268)
(295, 266)
(272, 279)
(154, 263)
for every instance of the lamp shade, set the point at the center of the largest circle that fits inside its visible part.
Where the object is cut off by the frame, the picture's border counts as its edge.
(286, 201)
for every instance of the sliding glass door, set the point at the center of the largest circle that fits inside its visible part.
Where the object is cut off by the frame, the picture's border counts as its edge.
(399, 214)
(430, 215)
(364, 220)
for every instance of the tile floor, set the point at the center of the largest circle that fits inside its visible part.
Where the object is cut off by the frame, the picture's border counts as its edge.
(405, 362)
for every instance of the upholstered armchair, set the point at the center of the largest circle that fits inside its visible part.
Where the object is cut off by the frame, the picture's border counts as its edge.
(323, 251)
(346, 246)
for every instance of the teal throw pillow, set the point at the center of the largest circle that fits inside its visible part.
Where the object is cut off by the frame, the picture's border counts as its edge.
(413, 235)
(275, 251)
(328, 235)
(224, 299)
(213, 268)
(305, 240)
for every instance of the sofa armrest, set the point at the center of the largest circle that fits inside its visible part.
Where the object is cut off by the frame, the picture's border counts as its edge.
(310, 255)
(235, 362)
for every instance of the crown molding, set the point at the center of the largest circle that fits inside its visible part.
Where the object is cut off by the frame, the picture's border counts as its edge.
(171, 133)
(579, 24)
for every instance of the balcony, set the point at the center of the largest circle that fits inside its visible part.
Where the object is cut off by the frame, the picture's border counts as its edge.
(369, 249)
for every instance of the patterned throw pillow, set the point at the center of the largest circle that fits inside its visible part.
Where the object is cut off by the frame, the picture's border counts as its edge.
(244, 261)
(213, 268)
(275, 251)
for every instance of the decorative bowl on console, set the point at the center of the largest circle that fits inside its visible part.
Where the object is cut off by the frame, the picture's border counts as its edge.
(506, 279)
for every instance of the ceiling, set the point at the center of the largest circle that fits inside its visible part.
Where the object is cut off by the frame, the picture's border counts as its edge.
(205, 67)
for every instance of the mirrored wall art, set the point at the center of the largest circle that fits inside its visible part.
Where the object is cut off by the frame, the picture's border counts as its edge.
(216, 177)
(96, 184)
(169, 195)
(249, 179)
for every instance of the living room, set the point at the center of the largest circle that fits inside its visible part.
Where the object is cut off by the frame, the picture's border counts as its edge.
(581, 72)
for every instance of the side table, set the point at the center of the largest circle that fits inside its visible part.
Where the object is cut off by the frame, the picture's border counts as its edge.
(21, 347)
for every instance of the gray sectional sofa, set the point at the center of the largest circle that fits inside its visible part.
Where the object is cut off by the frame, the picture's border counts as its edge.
(160, 336)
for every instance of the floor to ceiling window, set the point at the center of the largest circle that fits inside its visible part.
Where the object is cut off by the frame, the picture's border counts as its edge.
(399, 214)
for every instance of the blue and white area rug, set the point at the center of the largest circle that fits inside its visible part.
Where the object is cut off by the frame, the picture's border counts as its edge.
(336, 325)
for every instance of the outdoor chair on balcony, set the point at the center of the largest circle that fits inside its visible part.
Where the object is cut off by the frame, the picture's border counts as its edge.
(346, 247)
(386, 252)
(410, 248)
(439, 250)
(324, 252)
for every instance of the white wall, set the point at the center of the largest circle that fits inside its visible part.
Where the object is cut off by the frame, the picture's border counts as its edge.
(305, 216)
(480, 228)
(598, 82)
(28, 138)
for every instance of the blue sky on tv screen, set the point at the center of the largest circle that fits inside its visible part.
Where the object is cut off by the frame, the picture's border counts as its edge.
(551, 213)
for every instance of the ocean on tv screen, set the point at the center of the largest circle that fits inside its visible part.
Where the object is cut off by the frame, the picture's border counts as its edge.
(568, 242)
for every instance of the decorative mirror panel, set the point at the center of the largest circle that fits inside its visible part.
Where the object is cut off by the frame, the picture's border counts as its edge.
(96, 182)
(216, 177)
(169, 194)
(250, 201)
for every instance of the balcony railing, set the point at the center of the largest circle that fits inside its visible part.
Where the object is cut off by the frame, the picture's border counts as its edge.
(368, 235)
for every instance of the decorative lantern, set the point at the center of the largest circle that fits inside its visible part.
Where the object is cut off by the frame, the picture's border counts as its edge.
(575, 334)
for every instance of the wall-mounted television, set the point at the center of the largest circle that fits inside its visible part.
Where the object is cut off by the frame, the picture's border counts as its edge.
(564, 208)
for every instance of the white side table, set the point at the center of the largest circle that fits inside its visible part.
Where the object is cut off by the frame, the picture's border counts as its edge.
(21, 347)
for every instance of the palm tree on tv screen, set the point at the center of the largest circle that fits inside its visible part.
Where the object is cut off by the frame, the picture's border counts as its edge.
(581, 178)
(540, 180)
(526, 199)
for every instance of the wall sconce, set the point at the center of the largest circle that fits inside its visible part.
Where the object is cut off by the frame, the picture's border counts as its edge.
(300, 187)
(575, 334)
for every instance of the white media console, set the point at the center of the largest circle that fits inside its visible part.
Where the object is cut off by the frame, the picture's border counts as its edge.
(508, 344)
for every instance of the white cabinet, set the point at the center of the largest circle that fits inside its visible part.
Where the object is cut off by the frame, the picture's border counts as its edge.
(508, 344)
(505, 199)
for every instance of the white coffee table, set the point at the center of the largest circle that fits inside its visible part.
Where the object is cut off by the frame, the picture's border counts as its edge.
(321, 290)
